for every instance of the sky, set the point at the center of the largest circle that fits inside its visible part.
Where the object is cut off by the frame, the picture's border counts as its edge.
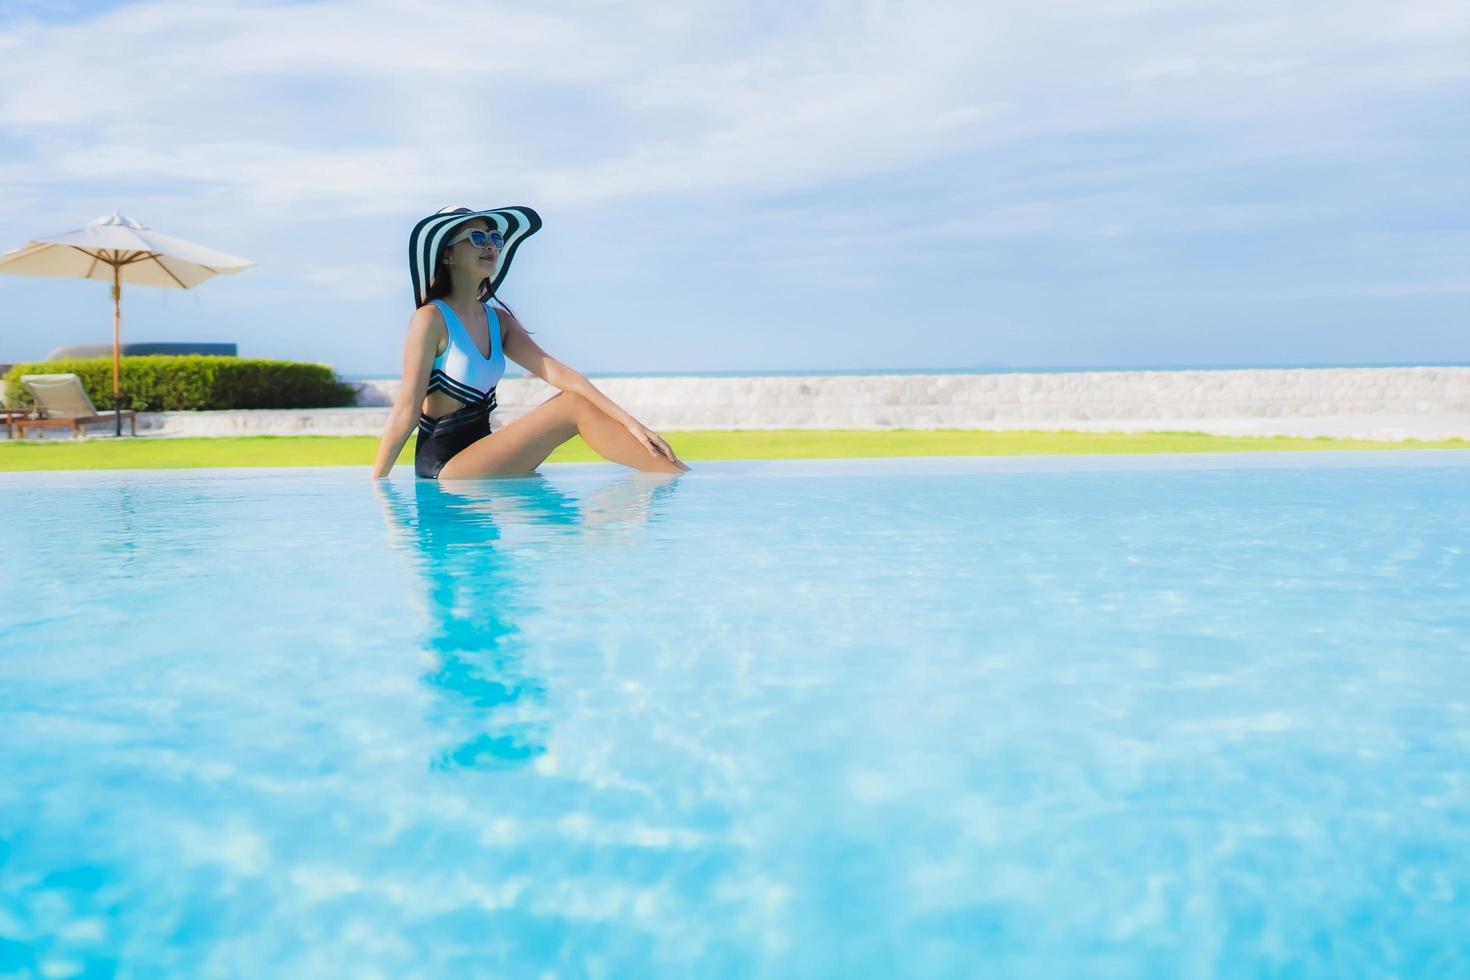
(765, 185)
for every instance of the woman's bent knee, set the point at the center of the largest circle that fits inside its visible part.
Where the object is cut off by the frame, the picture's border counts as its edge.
(574, 404)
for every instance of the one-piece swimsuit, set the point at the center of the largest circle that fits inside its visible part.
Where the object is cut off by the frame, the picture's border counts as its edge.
(469, 376)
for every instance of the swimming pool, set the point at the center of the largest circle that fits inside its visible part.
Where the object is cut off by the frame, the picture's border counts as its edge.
(1096, 716)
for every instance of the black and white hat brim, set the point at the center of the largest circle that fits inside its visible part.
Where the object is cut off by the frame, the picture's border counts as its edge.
(515, 225)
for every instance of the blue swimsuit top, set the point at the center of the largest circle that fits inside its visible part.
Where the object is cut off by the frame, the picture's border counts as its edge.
(462, 371)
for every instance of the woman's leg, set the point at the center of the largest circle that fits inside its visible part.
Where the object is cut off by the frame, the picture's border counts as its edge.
(522, 445)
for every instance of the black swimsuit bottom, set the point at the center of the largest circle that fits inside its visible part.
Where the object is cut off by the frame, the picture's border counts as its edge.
(441, 439)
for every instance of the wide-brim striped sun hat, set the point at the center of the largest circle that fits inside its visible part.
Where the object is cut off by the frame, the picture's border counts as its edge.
(429, 235)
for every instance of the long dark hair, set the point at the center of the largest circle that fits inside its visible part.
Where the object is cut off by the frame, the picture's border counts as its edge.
(441, 284)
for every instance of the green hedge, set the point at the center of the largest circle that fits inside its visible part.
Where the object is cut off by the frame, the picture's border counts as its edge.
(167, 384)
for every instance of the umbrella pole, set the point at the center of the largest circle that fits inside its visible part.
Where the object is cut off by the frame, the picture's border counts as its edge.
(117, 347)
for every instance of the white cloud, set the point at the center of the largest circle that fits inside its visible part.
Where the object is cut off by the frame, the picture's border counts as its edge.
(685, 147)
(356, 282)
(360, 107)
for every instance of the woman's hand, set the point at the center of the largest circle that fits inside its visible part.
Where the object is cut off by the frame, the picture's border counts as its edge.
(653, 442)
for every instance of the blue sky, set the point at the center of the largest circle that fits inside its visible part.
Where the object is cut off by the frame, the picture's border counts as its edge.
(766, 186)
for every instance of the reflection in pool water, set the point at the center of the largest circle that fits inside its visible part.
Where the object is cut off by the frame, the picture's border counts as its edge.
(449, 531)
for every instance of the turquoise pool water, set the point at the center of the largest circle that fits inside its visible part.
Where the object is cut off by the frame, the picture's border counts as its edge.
(1089, 717)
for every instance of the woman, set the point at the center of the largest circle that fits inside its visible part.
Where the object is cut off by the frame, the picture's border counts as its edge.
(455, 355)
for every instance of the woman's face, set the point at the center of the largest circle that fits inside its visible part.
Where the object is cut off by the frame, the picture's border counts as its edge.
(466, 256)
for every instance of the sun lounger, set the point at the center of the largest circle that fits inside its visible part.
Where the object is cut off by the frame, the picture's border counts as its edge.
(61, 401)
(12, 414)
(13, 417)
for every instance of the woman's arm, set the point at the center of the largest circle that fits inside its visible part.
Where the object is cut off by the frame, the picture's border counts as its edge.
(519, 347)
(418, 361)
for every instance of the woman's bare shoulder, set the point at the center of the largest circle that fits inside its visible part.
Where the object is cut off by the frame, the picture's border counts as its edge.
(502, 317)
(426, 327)
(426, 319)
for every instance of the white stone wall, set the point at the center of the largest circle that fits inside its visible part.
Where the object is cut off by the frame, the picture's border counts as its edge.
(267, 422)
(980, 401)
(1374, 403)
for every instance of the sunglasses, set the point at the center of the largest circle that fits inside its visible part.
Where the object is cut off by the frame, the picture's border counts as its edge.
(478, 238)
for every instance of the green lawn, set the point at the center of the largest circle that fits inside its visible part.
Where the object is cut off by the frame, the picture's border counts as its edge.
(145, 453)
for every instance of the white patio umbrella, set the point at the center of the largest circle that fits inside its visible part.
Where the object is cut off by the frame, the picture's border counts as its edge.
(121, 250)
